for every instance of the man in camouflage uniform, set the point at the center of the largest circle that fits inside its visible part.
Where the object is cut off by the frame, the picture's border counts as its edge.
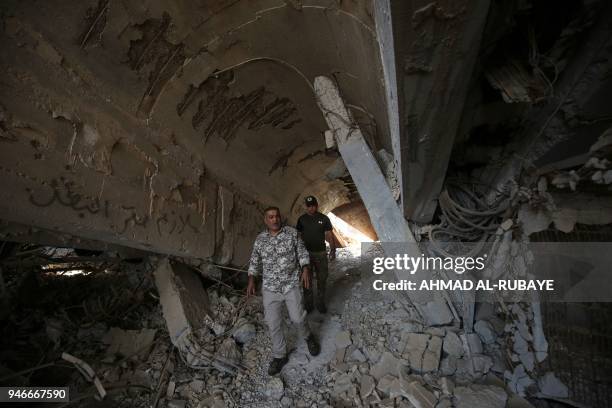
(280, 256)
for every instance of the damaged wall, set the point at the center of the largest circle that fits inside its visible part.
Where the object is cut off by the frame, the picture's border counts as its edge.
(166, 126)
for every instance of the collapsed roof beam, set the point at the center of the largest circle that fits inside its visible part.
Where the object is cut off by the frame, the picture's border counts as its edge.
(385, 215)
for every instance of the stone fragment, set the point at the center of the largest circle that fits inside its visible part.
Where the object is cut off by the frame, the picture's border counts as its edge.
(388, 364)
(521, 348)
(366, 386)
(275, 388)
(436, 313)
(452, 345)
(286, 402)
(481, 364)
(518, 381)
(551, 386)
(357, 355)
(422, 351)
(128, 343)
(343, 383)
(385, 383)
(472, 343)
(485, 331)
(340, 355)
(343, 339)
(364, 368)
(448, 365)
(170, 389)
(244, 333)
(418, 395)
(480, 396)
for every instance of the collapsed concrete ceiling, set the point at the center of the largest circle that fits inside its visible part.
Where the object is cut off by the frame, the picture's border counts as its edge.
(167, 126)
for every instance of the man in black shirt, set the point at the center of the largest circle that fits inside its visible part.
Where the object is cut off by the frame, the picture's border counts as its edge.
(315, 229)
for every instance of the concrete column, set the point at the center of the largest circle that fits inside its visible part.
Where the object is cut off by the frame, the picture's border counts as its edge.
(385, 214)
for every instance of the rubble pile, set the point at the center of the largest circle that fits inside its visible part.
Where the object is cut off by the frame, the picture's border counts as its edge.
(106, 317)
(375, 351)
(384, 357)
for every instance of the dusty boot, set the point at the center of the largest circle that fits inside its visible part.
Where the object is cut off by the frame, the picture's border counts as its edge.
(313, 346)
(277, 365)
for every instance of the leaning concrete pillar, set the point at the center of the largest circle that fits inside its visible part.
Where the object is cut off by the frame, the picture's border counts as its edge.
(185, 305)
(386, 216)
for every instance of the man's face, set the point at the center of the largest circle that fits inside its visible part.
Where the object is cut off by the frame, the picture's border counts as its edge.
(272, 219)
(311, 208)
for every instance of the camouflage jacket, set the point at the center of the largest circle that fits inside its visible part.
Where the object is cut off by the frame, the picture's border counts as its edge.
(279, 259)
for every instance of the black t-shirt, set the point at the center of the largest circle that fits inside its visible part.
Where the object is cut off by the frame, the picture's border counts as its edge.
(313, 229)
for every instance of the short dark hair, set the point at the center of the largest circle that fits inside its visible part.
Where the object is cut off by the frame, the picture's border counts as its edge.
(270, 208)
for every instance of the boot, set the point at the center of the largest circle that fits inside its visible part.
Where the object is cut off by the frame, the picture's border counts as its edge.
(313, 346)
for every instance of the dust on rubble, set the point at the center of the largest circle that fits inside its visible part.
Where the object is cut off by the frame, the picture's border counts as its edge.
(374, 350)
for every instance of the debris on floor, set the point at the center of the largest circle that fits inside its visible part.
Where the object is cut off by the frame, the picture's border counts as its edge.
(119, 333)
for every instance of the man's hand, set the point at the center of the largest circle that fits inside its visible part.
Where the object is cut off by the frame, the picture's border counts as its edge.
(306, 277)
(250, 287)
(332, 254)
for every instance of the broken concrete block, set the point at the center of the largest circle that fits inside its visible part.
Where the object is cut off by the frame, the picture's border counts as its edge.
(452, 345)
(275, 389)
(170, 389)
(385, 383)
(343, 384)
(418, 395)
(340, 355)
(388, 364)
(422, 351)
(436, 313)
(366, 386)
(485, 331)
(480, 396)
(357, 355)
(471, 343)
(481, 364)
(521, 348)
(551, 386)
(182, 296)
(129, 343)
(343, 339)
(518, 381)
(448, 365)
(373, 354)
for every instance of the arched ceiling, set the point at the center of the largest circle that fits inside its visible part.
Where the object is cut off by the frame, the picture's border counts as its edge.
(155, 97)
